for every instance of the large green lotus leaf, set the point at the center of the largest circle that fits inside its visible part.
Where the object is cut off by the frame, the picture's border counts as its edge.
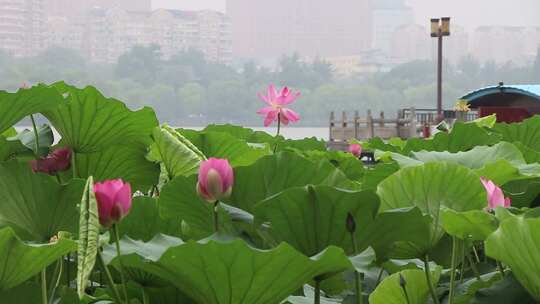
(346, 162)
(21, 261)
(223, 145)
(232, 272)
(530, 155)
(485, 122)
(179, 200)
(247, 134)
(474, 224)
(501, 163)
(251, 136)
(431, 186)
(143, 221)
(389, 291)
(127, 162)
(36, 204)
(312, 218)
(305, 144)
(462, 137)
(27, 138)
(178, 155)
(132, 253)
(275, 173)
(376, 174)
(402, 233)
(16, 106)
(523, 192)
(9, 148)
(477, 157)
(505, 291)
(526, 132)
(516, 243)
(90, 122)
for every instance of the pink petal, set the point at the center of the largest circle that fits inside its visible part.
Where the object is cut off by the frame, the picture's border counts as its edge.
(285, 91)
(264, 98)
(123, 198)
(284, 120)
(272, 93)
(270, 117)
(288, 99)
(355, 149)
(290, 115)
(507, 202)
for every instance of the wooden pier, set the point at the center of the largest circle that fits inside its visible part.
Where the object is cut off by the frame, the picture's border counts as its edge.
(407, 123)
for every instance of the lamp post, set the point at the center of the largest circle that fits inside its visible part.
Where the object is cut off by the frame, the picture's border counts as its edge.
(439, 29)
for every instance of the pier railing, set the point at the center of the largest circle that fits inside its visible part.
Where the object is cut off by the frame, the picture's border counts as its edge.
(407, 123)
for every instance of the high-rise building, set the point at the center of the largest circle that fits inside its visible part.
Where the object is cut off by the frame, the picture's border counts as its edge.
(111, 33)
(267, 29)
(76, 8)
(411, 42)
(502, 44)
(21, 27)
(388, 16)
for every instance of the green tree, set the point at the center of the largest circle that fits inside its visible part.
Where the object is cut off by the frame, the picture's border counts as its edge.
(141, 64)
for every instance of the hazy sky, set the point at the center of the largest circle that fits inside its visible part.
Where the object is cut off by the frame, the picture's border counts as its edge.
(469, 13)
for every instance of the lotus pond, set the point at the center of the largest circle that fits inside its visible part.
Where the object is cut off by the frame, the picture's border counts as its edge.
(121, 209)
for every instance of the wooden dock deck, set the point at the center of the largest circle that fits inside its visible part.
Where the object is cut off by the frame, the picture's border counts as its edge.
(407, 123)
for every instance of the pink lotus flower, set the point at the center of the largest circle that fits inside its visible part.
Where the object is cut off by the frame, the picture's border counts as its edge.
(355, 149)
(495, 195)
(58, 160)
(216, 179)
(114, 201)
(276, 106)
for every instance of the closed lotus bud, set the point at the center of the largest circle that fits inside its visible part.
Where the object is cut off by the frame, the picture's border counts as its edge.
(350, 223)
(355, 149)
(216, 179)
(58, 160)
(114, 201)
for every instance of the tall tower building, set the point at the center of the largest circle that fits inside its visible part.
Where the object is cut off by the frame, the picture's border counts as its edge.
(21, 27)
(267, 29)
(388, 16)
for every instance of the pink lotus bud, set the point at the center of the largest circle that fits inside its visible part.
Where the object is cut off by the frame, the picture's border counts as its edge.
(216, 179)
(58, 160)
(114, 201)
(495, 195)
(355, 149)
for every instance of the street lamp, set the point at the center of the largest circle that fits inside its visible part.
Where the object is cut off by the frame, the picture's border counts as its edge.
(439, 29)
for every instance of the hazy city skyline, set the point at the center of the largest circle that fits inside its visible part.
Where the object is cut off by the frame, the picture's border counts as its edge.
(469, 14)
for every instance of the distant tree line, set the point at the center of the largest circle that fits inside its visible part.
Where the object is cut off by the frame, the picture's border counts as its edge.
(186, 90)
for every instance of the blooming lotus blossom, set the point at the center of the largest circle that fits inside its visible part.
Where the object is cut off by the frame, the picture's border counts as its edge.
(216, 179)
(58, 160)
(495, 195)
(355, 149)
(276, 109)
(114, 201)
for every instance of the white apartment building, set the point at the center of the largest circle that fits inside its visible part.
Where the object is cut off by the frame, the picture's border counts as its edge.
(103, 35)
(21, 27)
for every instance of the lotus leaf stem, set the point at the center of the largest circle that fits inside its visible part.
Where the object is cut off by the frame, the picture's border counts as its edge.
(44, 286)
(453, 270)
(119, 254)
(428, 279)
(116, 294)
(36, 134)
